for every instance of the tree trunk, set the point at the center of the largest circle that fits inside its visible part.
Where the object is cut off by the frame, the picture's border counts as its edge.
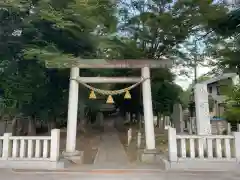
(140, 121)
(159, 120)
(52, 124)
(20, 126)
(163, 123)
(6, 119)
(82, 120)
(82, 125)
(31, 126)
(14, 126)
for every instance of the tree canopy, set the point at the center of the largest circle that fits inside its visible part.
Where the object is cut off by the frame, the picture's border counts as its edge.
(33, 31)
(224, 44)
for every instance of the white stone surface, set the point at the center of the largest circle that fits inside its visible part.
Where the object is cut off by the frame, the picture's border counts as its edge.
(139, 139)
(172, 145)
(129, 135)
(210, 151)
(55, 145)
(147, 109)
(30, 151)
(109, 79)
(72, 111)
(237, 145)
(202, 109)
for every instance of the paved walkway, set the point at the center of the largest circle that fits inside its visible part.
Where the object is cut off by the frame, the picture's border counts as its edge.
(127, 176)
(111, 152)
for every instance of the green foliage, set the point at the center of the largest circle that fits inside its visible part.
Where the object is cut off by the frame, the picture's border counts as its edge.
(203, 78)
(225, 44)
(232, 111)
(75, 29)
(185, 98)
(165, 95)
(55, 30)
(40, 30)
(160, 26)
(164, 91)
(229, 24)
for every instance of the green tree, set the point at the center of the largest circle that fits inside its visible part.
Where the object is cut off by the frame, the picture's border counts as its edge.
(225, 43)
(53, 31)
(232, 110)
(159, 27)
(60, 29)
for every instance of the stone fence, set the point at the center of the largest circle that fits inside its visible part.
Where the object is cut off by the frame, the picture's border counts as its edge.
(30, 151)
(203, 151)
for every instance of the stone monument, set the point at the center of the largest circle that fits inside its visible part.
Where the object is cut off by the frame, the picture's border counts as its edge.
(202, 109)
(177, 117)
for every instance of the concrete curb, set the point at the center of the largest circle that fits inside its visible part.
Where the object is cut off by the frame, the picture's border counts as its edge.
(94, 171)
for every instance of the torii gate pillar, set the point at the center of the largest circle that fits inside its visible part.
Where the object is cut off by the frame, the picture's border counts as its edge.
(147, 109)
(72, 114)
(76, 63)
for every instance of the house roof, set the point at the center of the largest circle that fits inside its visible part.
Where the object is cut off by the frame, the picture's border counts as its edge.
(218, 78)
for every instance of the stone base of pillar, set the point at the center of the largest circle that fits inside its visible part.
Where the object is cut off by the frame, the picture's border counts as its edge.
(150, 156)
(75, 157)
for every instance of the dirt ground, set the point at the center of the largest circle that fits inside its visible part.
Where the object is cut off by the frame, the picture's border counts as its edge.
(133, 152)
(87, 142)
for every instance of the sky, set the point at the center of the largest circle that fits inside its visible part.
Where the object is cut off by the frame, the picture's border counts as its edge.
(184, 81)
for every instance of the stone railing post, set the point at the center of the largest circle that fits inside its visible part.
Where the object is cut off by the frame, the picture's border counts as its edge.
(6, 145)
(139, 138)
(237, 145)
(55, 145)
(172, 144)
(129, 135)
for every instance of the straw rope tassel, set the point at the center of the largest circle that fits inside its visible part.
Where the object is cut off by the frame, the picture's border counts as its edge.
(92, 95)
(127, 95)
(110, 100)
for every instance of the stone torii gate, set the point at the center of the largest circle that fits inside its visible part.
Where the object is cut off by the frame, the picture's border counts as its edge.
(75, 65)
